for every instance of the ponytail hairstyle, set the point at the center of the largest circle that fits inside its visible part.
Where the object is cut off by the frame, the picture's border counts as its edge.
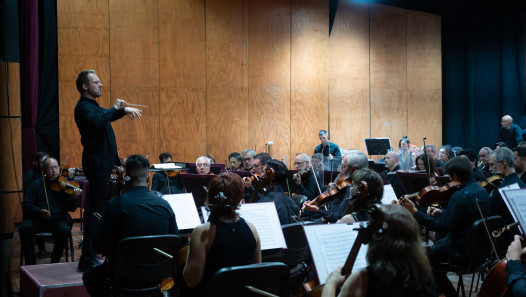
(225, 192)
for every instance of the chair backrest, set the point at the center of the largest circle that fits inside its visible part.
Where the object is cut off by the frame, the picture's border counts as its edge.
(136, 261)
(271, 277)
(297, 246)
(478, 246)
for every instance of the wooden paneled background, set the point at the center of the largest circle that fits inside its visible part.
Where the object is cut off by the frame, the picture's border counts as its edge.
(224, 75)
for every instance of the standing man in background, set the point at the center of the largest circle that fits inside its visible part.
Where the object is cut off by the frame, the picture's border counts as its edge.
(330, 151)
(510, 133)
(99, 154)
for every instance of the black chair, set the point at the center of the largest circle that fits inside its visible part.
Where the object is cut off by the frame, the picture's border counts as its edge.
(479, 252)
(297, 256)
(138, 268)
(272, 277)
(46, 235)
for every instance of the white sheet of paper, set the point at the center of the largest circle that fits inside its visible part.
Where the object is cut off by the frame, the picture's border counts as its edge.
(516, 201)
(514, 186)
(205, 214)
(330, 245)
(185, 211)
(265, 218)
(389, 195)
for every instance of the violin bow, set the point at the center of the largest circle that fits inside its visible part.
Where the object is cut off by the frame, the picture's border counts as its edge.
(487, 229)
(45, 191)
(64, 164)
(315, 178)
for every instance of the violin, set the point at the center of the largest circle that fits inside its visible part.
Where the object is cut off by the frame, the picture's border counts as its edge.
(356, 200)
(491, 182)
(330, 194)
(302, 175)
(434, 194)
(62, 185)
(261, 183)
(174, 173)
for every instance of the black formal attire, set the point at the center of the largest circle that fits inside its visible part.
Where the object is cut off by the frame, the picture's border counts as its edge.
(487, 173)
(498, 206)
(334, 151)
(31, 176)
(516, 277)
(335, 209)
(456, 220)
(285, 206)
(439, 164)
(98, 158)
(393, 180)
(377, 287)
(523, 177)
(511, 137)
(309, 187)
(138, 212)
(478, 175)
(58, 224)
(164, 184)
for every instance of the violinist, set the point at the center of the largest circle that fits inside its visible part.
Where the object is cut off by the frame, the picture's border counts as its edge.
(45, 209)
(362, 198)
(306, 182)
(397, 262)
(391, 165)
(431, 151)
(248, 157)
(478, 175)
(484, 160)
(519, 154)
(166, 182)
(235, 161)
(335, 209)
(330, 151)
(501, 161)
(444, 154)
(285, 206)
(258, 163)
(455, 221)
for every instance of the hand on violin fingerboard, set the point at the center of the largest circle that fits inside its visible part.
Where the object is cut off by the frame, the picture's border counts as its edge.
(311, 207)
(434, 211)
(409, 205)
(77, 193)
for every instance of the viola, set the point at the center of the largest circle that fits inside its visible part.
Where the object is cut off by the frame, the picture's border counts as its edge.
(62, 185)
(434, 194)
(491, 182)
(261, 183)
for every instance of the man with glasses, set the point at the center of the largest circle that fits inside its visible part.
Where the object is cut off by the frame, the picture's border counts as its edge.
(45, 209)
(202, 165)
(305, 180)
(248, 158)
(258, 167)
(519, 154)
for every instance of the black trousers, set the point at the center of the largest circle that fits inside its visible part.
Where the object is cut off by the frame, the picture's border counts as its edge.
(99, 190)
(443, 252)
(59, 228)
(96, 280)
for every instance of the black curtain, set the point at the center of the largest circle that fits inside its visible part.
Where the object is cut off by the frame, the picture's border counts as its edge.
(483, 74)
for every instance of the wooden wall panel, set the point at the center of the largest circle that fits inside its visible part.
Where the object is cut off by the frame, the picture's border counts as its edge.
(349, 110)
(227, 97)
(13, 72)
(82, 45)
(424, 77)
(134, 63)
(11, 206)
(388, 73)
(308, 74)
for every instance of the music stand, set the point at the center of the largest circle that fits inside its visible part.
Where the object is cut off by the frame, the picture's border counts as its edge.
(197, 184)
(165, 168)
(442, 180)
(377, 146)
(413, 182)
(214, 168)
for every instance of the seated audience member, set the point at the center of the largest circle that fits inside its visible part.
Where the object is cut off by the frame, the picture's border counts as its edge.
(162, 181)
(519, 154)
(305, 179)
(335, 209)
(235, 161)
(248, 157)
(225, 240)
(138, 212)
(361, 198)
(478, 175)
(444, 154)
(285, 206)
(455, 221)
(484, 160)
(509, 133)
(515, 268)
(202, 165)
(391, 165)
(47, 210)
(406, 157)
(397, 262)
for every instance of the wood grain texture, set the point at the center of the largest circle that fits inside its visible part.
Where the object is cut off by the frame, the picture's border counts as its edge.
(11, 212)
(309, 74)
(11, 155)
(13, 73)
(389, 114)
(182, 44)
(424, 108)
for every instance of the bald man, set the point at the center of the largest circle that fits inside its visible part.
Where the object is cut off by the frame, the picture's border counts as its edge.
(510, 133)
(391, 165)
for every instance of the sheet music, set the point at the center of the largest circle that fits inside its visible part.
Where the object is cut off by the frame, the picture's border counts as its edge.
(166, 166)
(389, 195)
(265, 218)
(502, 190)
(330, 245)
(205, 213)
(185, 211)
(516, 203)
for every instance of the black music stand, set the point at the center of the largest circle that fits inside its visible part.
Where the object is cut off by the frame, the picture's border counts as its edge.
(413, 182)
(377, 146)
(442, 180)
(197, 184)
(178, 167)
(215, 168)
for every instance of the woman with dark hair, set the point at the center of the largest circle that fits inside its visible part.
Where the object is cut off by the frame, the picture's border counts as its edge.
(225, 240)
(405, 156)
(359, 205)
(422, 163)
(398, 264)
(445, 153)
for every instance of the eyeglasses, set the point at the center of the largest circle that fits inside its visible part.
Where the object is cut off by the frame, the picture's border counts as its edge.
(52, 167)
(248, 159)
(202, 165)
(299, 163)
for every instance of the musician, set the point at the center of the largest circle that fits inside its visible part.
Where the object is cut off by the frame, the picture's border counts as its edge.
(397, 262)
(361, 199)
(444, 154)
(478, 175)
(431, 151)
(99, 154)
(308, 185)
(162, 182)
(211, 158)
(225, 240)
(519, 155)
(484, 160)
(501, 161)
(509, 133)
(330, 151)
(335, 209)
(405, 156)
(317, 162)
(138, 212)
(515, 268)
(285, 206)
(45, 209)
(202, 165)
(235, 161)
(391, 165)
(248, 157)
(258, 166)
(456, 220)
